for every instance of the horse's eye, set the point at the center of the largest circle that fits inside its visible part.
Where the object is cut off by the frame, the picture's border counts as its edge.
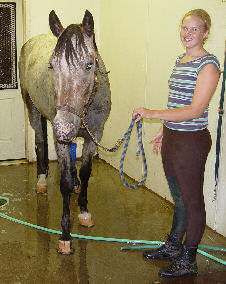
(50, 66)
(89, 65)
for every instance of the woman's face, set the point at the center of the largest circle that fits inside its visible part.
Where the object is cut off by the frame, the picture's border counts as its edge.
(192, 32)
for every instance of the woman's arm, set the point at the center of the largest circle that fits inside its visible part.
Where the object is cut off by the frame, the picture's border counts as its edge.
(205, 87)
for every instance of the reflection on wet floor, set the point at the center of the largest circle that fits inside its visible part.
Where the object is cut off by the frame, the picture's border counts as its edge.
(29, 256)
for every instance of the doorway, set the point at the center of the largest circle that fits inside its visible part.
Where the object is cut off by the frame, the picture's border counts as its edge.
(12, 120)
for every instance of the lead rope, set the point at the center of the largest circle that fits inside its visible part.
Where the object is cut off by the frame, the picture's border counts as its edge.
(219, 129)
(140, 148)
(126, 137)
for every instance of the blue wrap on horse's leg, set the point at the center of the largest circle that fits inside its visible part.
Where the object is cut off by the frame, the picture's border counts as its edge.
(73, 148)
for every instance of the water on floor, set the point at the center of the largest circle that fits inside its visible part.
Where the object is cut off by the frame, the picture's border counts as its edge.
(29, 256)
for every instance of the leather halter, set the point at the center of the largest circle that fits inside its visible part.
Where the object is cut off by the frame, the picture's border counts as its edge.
(91, 98)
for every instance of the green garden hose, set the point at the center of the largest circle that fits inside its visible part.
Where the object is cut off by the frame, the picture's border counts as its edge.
(152, 244)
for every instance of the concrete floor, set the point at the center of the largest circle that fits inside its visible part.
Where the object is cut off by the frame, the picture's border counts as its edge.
(29, 256)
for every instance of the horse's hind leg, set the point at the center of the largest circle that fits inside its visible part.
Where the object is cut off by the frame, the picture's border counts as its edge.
(85, 218)
(45, 138)
(76, 182)
(38, 123)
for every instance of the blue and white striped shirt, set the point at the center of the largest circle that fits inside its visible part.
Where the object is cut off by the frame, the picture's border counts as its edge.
(182, 84)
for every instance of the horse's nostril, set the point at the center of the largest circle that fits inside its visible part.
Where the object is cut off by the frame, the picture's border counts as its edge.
(63, 130)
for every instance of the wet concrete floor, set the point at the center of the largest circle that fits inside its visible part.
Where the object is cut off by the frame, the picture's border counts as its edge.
(29, 256)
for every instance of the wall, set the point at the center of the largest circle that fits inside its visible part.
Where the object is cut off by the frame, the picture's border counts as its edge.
(36, 15)
(139, 44)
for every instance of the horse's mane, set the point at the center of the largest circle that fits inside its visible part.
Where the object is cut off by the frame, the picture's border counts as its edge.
(72, 43)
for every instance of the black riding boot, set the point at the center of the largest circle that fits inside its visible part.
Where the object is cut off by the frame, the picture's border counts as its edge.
(171, 249)
(184, 265)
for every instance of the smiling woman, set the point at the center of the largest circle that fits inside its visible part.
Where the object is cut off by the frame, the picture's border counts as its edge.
(185, 142)
(195, 29)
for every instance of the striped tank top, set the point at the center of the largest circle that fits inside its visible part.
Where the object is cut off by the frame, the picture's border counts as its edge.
(182, 84)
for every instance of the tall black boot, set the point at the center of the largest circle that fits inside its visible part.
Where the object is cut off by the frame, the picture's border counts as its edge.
(170, 250)
(172, 247)
(185, 265)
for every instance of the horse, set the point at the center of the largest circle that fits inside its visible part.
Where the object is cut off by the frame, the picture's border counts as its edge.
(64, 80)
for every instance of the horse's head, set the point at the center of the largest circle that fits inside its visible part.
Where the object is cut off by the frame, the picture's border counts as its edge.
(73, 62)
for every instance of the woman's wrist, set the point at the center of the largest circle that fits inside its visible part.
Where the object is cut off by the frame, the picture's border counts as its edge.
(153, 114)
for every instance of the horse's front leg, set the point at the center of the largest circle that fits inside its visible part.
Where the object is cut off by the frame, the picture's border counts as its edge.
(66, 188)
(85, 218)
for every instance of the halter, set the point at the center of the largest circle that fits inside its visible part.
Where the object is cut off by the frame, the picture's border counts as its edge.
(91, 98)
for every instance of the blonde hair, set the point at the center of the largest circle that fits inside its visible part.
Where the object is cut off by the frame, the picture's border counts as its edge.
(202, 14)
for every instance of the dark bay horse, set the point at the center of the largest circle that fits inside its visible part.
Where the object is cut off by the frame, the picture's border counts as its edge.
(63, 79)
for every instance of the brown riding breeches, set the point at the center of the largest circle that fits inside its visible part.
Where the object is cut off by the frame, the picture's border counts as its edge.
(184, 155)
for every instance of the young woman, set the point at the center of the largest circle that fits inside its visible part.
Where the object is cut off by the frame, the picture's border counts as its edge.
(185, 142)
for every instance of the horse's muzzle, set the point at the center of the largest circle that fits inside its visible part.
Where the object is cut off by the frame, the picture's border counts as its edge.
(66, 126)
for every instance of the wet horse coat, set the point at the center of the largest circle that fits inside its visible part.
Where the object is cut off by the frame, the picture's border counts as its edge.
(63, 79)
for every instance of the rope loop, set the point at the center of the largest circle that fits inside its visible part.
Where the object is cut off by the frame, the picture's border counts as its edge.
(140, 149)
(126, 138)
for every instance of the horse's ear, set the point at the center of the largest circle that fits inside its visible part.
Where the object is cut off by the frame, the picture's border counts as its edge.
(88, 23)
(55, 24)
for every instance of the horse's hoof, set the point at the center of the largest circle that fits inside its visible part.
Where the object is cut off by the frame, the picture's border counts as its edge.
(85, 219)
(65, 248)
(41, 184)
(41, 189)
(77, 189)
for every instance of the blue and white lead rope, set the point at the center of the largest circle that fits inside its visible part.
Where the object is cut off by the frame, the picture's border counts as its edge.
(140, 148)
(126, 138)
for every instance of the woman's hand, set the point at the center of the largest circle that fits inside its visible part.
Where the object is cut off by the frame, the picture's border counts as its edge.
(141, 112)
(157, 141)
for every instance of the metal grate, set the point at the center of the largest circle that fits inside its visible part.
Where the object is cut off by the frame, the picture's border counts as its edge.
(8, 51)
